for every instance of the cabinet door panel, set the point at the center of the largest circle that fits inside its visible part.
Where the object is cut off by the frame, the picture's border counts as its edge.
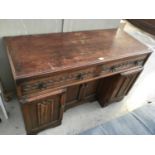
(118, 84)
(129, 78)
(132, 81)
(91, 89)
(116, 87)
(75, 95)
(121, 91)
(43, 112)
(81, 92)
(108, 89)
(72, 93)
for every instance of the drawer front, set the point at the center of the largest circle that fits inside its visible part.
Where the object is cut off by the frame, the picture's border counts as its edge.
(123, 65)
(62, 79)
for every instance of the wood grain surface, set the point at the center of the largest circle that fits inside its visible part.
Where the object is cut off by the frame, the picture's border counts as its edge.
(33, 55)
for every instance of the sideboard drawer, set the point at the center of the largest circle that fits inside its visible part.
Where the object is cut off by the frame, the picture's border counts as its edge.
(118, 66)
(57, 80)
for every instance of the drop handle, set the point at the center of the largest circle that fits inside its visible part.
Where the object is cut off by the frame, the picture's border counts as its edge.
(137, 63)
(41, 85)
(113, 69)
(80, 76)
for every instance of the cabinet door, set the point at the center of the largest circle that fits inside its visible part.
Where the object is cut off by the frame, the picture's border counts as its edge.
(44, 112)
(73, 95)
(91, 90)
(77, 94)
(116, 87)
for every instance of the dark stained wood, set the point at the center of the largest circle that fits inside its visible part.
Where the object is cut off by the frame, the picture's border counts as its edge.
(54, 72)
(28, 87)
(116, 87)
(72, 94)
(147, 25)
(55, 52)
(44, 112)
(91, 89)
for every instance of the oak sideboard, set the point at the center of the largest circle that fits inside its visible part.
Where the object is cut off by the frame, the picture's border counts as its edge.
(57, 71)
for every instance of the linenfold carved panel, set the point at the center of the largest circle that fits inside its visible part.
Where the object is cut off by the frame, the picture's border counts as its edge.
(45, 111)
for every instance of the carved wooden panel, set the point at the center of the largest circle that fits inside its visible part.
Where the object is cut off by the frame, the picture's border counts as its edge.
(44, 112)
(116, 87)
(118, 66)
(72, 95)
(91, 89)
(77, 94)
(53, 81)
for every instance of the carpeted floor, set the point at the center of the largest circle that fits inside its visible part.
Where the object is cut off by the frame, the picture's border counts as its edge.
(139, 122)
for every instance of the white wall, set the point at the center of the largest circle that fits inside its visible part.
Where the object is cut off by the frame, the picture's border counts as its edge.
(89, 24)
(22, 27)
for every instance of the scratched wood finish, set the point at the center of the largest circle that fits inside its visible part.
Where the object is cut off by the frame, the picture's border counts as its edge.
(39, 54)
(54, 72)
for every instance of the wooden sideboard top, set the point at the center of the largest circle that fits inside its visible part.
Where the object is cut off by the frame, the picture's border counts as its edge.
(33, 55)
